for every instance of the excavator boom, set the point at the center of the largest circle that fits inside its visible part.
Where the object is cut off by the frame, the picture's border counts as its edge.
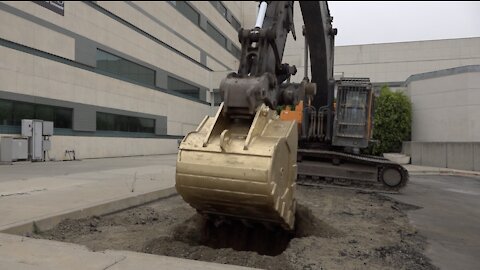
(242, 162)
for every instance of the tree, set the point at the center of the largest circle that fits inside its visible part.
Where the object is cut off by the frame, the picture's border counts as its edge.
(393, 118)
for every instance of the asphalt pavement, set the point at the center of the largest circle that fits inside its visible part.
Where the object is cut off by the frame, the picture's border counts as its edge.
(449, 217)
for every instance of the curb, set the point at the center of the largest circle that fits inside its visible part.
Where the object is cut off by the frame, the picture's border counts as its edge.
(453, 173)
(108, 207)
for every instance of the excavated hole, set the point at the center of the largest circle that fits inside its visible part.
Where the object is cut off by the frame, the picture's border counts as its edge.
(198, 230)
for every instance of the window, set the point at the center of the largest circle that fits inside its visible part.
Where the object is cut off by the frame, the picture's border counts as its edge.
(116, 122)
(183, 88)
(236, 52)
(43, 112)
(223, 10)
(235, 23)
(6, 112)
(187, 11)
(191, 14)
(124, 68)
(12, 113)
(62, 118)
(220, 7)
(21, 111)
(216, 35)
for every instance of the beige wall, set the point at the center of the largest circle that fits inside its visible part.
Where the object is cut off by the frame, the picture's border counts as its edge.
(100, 147)
(446, 109)
(28, 74)
(24, 73)
(217, 19)
(95, 147)
(295, 49)
(81, 19)
(49, 79)
(395, 62)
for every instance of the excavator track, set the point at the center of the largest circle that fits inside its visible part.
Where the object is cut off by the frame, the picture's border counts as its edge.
(325, 168)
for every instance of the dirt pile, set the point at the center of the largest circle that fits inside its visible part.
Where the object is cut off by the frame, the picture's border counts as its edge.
(335, 229)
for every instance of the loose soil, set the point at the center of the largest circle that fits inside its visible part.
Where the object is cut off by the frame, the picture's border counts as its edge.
(335, 229)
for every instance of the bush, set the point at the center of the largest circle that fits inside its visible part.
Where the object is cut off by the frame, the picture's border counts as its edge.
(393, 118)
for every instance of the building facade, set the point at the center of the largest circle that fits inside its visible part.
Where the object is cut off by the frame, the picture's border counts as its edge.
(393, 63)
(387, 63)
(132, 78)
(445, 118)
(117, 78)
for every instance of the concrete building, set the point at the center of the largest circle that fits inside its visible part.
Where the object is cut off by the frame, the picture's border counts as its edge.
(132, 78)
(393, 63)
(117, 78)
(445, 118)
(387, 63)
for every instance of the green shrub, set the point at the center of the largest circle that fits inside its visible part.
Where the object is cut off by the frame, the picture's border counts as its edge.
(393, 118)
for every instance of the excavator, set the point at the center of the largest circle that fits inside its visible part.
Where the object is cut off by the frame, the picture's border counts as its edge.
(270, 134)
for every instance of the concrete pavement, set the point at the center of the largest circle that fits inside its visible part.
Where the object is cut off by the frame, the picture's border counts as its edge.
(449, 217)
(29, 170)
(22, 253)
(39, 195)
(45, 201)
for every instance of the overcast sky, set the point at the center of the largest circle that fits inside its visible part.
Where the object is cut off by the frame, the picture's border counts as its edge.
(368, 22)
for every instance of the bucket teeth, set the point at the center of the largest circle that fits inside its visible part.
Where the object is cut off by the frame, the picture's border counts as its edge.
(243, 170)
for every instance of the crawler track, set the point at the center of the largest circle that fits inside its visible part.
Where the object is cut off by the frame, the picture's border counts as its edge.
(368, 173)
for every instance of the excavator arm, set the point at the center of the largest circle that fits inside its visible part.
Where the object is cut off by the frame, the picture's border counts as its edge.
(242, 163)
(261, 70)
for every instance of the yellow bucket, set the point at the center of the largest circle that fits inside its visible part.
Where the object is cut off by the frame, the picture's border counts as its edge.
(241, 169)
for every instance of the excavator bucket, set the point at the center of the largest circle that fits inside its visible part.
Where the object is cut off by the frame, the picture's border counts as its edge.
(237, 168)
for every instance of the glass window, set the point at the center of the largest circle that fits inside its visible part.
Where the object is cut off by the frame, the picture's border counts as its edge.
(183, 87)
(62, 118)
(216, 35)
(124, 68)
(6, 112)
(46, 113)
(116, 122)
(236, 51)
(188, 12)
(105, 121)
(12, 113)
(235, 23)
(147, 125)
(112, 64)
(21, 111)
(102, 60)
(220, 7)
(223, 10)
